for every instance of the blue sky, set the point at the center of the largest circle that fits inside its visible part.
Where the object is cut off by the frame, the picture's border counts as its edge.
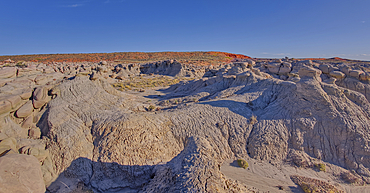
(264, 28)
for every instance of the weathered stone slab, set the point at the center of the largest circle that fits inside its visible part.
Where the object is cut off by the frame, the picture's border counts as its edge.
(21, 173)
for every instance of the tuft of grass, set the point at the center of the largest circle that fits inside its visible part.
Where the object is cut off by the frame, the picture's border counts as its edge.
(242, 163)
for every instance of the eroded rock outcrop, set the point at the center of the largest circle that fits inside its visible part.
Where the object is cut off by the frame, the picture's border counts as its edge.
(87, 136)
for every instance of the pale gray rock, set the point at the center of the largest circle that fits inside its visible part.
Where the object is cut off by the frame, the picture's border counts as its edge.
(5, 106)
(5, 81)
(26, 94)
(28, 122)
(273, 67)
(285, 68)
(31, 70)
(337, 74)
(40, 96)
(171, 68)
(324, 68)
(8, 145)
(25, 110)
(50, 78)
(48, 70)
(34, 133)
(21, 173)
(305, 62)
(36, 149)
(310, 72)
(12, 101)
(8, 72)
(356, 73)
(8, 128)
(345, 69)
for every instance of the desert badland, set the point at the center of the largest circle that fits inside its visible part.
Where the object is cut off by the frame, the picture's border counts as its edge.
(180, 121)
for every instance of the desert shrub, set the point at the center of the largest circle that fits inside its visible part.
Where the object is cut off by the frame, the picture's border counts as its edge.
(321, 167)
(242, 163)
(253, 120)
(151, 107)
(308, 188)
(21, 64)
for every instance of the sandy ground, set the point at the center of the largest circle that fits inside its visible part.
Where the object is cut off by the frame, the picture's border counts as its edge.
(265, 177)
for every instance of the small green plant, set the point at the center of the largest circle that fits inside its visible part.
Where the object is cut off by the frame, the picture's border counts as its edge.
(321, 167)
(151, 107)
(242, 163)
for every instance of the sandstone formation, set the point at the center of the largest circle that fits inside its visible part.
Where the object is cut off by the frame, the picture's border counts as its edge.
(87, 136)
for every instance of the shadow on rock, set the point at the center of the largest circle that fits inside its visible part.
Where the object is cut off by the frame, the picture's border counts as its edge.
(234, 106)
(84, 175)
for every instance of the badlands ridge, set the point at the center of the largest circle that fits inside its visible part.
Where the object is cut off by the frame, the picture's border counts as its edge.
(171, 126)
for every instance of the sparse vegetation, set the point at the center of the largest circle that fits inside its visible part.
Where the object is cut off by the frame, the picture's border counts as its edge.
(310, 185)
(242, 163)
(151, 108)
(321, 167)
(21, 64)
(308, 188)
(253, 120)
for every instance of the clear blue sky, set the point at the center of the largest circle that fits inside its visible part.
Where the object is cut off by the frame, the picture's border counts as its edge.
(259, 28)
